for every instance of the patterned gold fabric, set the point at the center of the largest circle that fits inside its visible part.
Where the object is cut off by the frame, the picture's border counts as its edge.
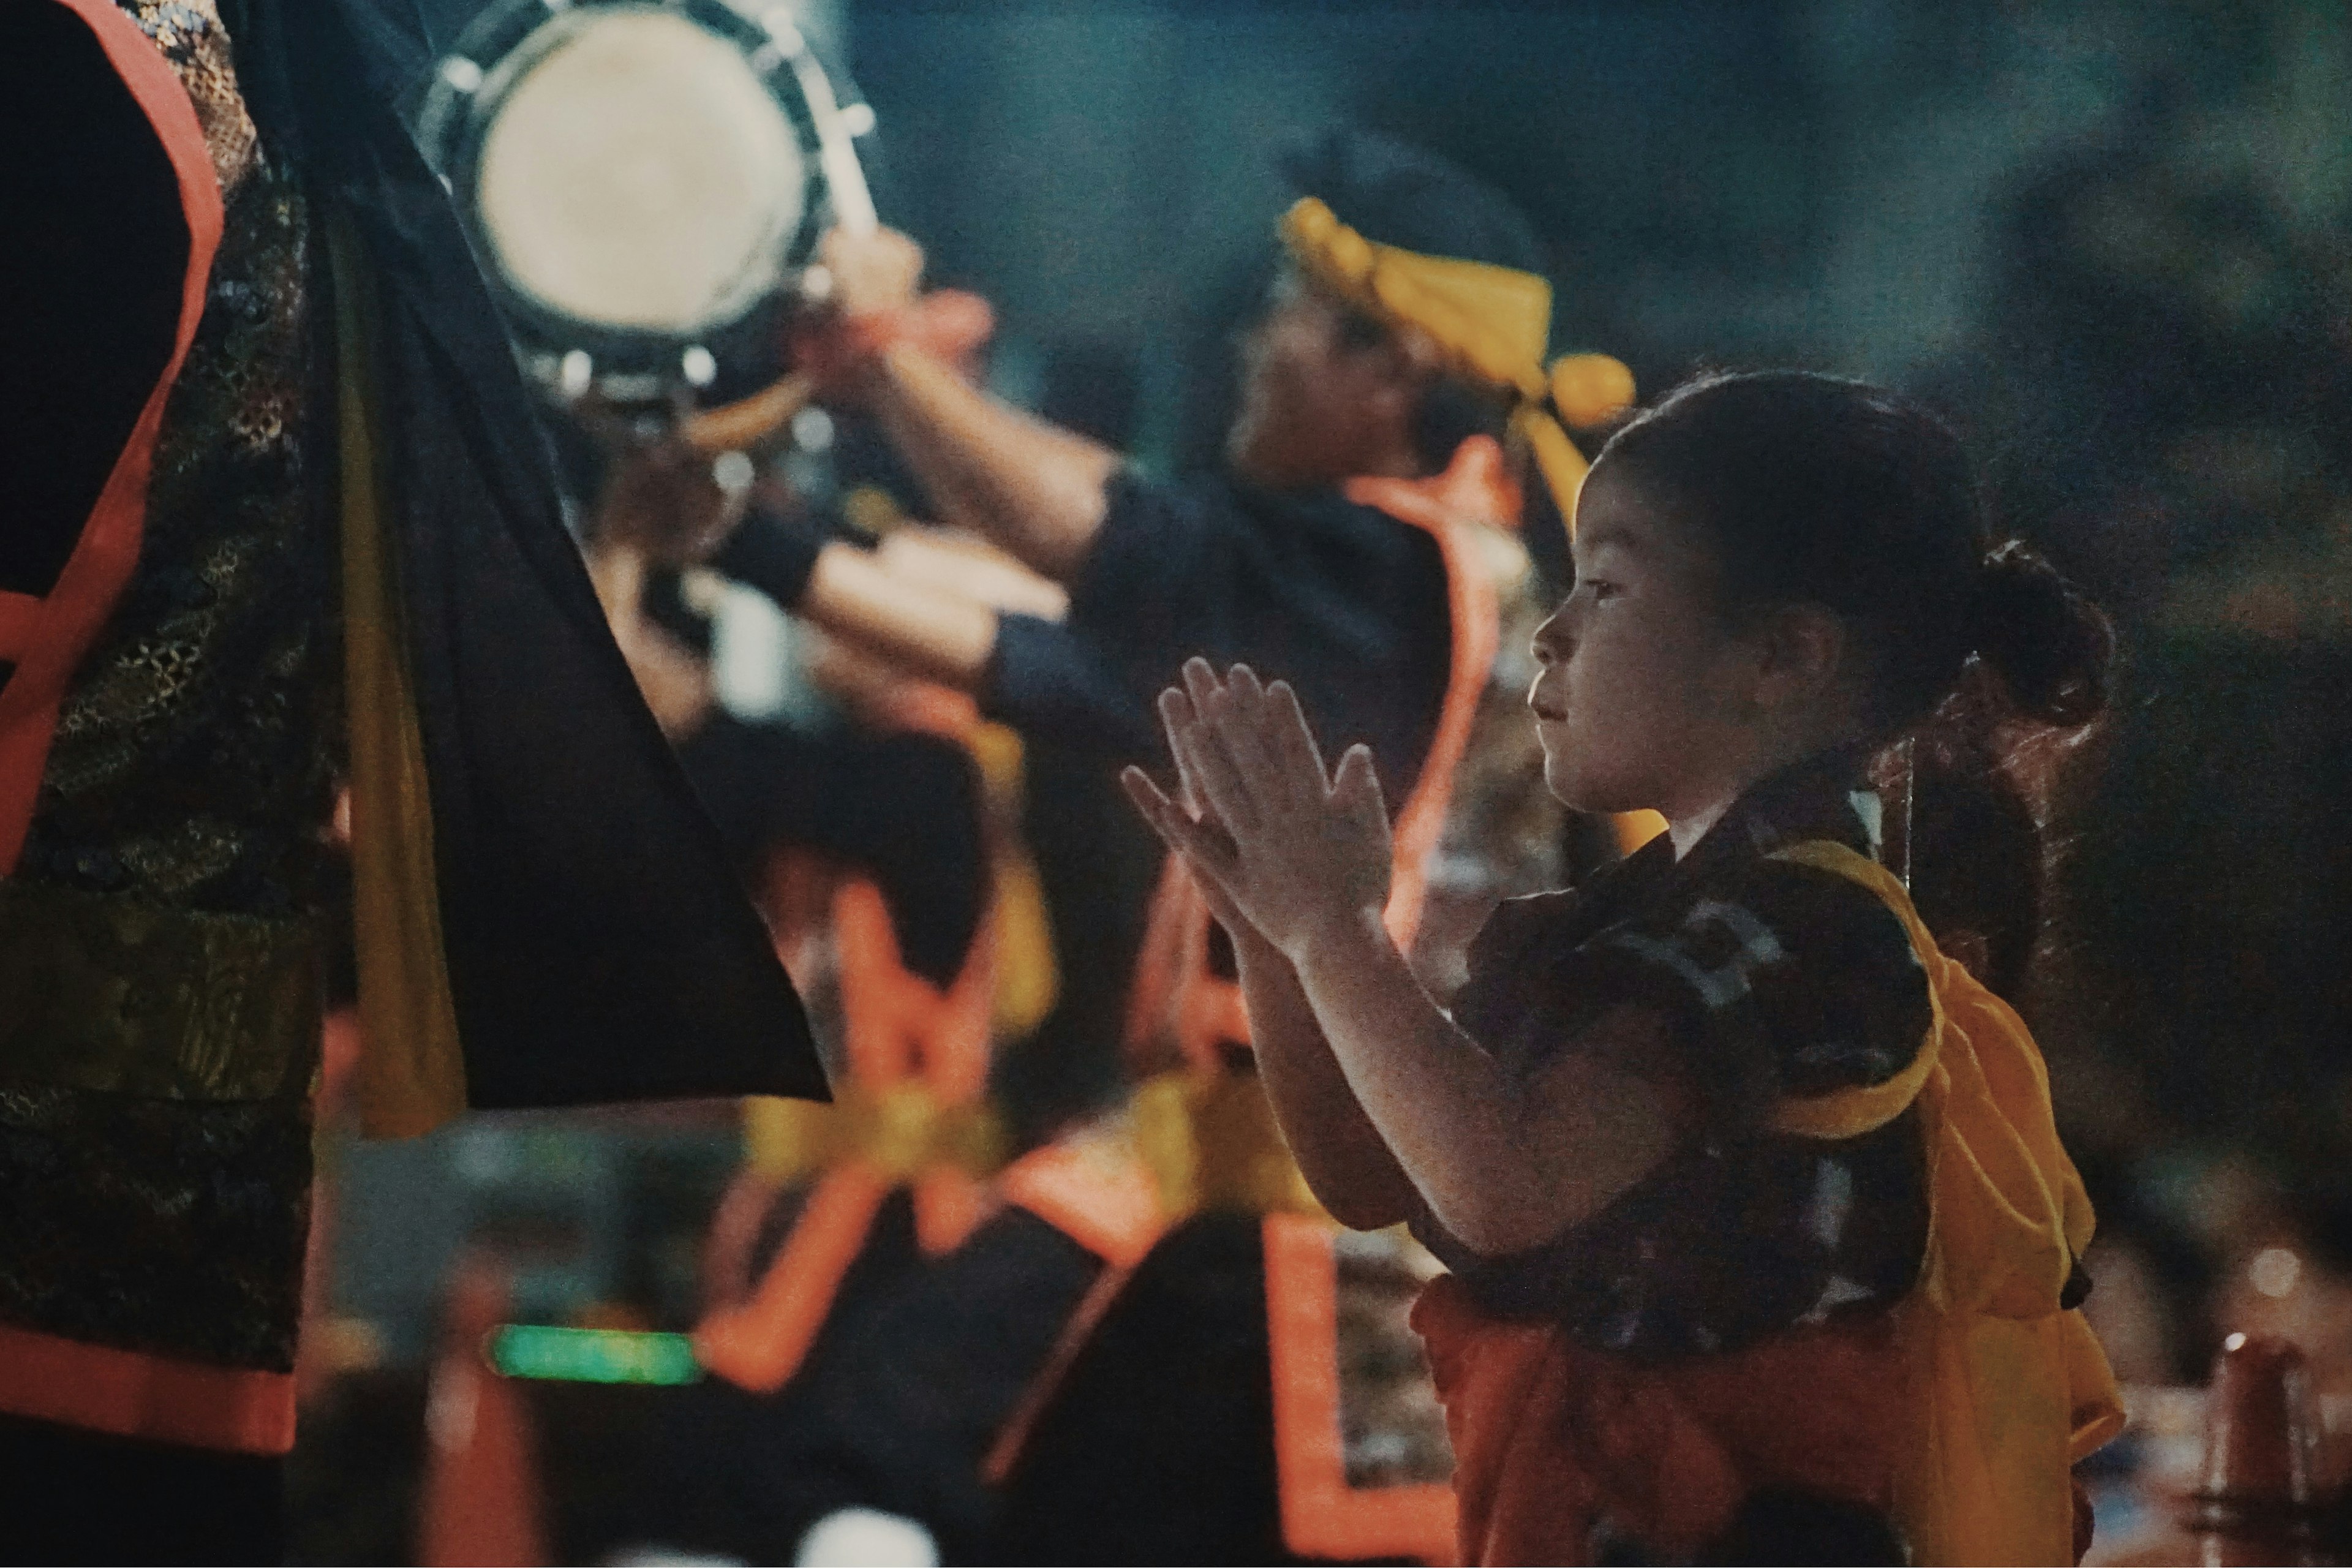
(158, 984)
(105, 994)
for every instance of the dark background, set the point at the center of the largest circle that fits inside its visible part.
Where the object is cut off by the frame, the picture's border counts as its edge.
(2111, 238)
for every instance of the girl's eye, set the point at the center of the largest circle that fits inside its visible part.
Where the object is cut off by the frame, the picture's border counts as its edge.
(1599, 591)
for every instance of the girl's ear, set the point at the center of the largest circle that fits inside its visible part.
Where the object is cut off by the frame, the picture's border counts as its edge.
(1801, 657)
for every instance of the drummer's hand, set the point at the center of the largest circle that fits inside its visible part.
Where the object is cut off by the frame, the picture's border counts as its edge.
(666, 501)
(873, 272)
(675, 685)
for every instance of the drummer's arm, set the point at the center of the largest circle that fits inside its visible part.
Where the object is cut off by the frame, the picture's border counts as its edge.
(1037, 491)
(1033, 488)
(1010, 652)
(661, 503)
(919, 629)
(922, 631)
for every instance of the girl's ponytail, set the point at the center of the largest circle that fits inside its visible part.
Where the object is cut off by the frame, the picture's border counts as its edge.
(1815, 490)
(2050, 646)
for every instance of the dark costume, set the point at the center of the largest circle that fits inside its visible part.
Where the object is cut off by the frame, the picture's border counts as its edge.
(882, 1393)
(1778, 980)
(904, 809)
(1195, 1416)
(1333, 595)
(1377, 604)
(1169, 1414)
(901, 1390)
(331, 519)
(1745, 1356)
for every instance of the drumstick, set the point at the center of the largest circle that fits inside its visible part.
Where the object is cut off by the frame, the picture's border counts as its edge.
(743, 423)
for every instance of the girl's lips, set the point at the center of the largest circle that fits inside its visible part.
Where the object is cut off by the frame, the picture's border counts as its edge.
(1548, 715)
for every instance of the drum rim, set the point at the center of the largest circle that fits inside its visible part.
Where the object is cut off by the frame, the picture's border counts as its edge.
(468, 83)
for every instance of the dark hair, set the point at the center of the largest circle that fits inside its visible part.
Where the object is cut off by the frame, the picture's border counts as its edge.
(1817, 489)
(1974, 853)
(1450, 410)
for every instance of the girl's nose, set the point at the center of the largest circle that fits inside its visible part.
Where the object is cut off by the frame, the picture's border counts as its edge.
(1553, 640)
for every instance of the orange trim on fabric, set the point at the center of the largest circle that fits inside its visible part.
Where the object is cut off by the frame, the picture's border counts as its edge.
(1322, 1515)
(130, 1394)
(732, 1241)
(1174, 991)
(927, 708)
(899, 1025)
(1013, 1438)
(52, 641)
(899, 1030)
(760, 1344)
(949, 1204)
(1154, 1000)
(1107, 1203)
(1110, 1206)
(19, 616)
(1473, 489)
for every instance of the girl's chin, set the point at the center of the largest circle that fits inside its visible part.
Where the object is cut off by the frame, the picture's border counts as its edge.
(1571, 789)
(1579, 790)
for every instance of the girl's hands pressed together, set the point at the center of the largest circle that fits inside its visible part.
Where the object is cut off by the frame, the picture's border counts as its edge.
(1274, 841)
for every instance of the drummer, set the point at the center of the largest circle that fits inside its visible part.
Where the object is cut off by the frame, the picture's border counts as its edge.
(1265, 561)
(1268, 561)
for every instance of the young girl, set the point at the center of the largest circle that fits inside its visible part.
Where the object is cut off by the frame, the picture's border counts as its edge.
(1762, 1244)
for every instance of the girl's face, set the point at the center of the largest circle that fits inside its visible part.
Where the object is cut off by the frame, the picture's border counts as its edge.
(1645, 698)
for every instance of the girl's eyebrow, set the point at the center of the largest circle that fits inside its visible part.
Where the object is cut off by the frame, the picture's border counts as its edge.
(1605, 536)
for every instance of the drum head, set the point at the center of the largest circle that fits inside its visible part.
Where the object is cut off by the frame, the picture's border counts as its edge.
(639, 174)
(643, 183)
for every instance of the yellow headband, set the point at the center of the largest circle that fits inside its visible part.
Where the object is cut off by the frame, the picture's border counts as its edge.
(1492, 324)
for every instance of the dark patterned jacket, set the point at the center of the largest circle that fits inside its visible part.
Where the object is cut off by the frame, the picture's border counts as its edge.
(1776, 980)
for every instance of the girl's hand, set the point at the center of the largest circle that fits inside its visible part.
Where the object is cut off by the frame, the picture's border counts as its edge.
(1292, 850)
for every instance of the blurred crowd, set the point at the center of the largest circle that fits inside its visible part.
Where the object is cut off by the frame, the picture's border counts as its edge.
(2158, 386)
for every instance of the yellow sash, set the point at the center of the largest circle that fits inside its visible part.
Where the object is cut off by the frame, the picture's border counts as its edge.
(1492, 324)
(2011, 1388)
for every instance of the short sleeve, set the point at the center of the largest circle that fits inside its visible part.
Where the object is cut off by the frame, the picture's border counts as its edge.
(1089, 681)
(1781, 979)
(1154, 547)
(1774, 980)
(903, 808)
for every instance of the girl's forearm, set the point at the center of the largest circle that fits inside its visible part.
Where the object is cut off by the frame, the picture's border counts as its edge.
(1431, 1094)
(1339, 1152)
(1504, 1161)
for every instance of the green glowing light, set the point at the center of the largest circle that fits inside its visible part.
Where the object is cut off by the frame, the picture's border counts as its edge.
(592, 1355)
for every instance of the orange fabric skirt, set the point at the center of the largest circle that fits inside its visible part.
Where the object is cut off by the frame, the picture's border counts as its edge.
(1550, 1437)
